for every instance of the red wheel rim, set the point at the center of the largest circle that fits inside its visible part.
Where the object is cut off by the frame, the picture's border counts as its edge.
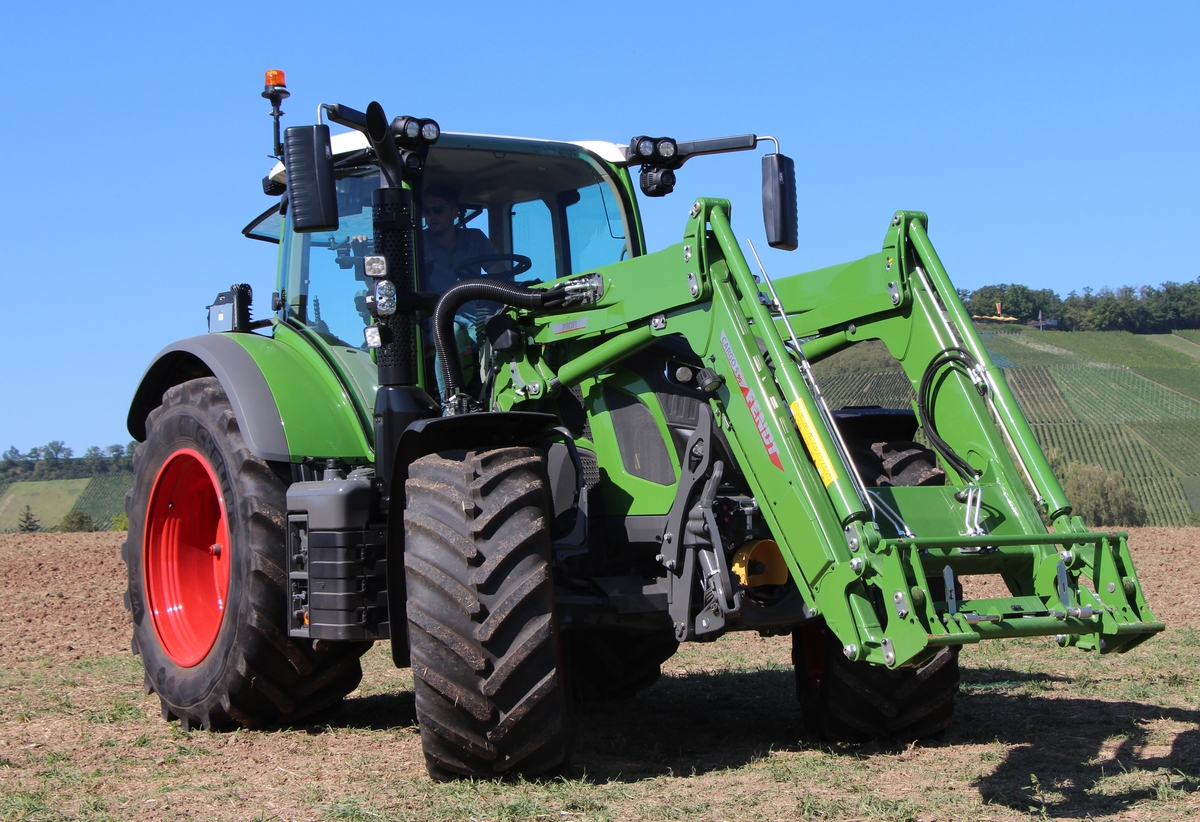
(186, 574)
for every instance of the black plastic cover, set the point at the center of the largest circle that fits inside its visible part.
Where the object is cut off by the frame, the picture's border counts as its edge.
(779, 202)
(308, 158)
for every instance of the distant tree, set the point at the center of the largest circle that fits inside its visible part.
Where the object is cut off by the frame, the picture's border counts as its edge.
(93, 459)
(11, 457)
(77, 521)
(27, 523)
(115, 452)
(120, 522)
(1101, 496)
(56, 450)
(33, 454)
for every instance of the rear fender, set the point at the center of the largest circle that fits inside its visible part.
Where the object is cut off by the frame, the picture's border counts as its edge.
(267, 381)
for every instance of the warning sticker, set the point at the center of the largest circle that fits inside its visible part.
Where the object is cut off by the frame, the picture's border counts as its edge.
(812, 441)
(760, 419)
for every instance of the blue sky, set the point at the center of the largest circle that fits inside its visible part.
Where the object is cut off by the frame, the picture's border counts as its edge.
(1051, 144)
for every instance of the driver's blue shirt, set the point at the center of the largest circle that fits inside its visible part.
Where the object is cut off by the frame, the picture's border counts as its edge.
(441, 261)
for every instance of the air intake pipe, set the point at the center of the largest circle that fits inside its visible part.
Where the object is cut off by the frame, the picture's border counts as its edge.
(456, 296)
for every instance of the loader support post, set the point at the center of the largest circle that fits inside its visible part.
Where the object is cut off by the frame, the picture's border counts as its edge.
(1045, 484)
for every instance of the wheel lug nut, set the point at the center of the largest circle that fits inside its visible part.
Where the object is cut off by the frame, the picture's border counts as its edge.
(215, 549)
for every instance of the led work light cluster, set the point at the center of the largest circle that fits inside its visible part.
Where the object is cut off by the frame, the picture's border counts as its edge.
(659, 157)
(381, 300)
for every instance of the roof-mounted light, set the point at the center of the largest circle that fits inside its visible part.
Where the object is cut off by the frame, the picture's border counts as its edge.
(275, 77)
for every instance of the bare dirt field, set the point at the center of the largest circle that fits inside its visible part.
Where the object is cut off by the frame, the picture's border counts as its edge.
(1041, 731)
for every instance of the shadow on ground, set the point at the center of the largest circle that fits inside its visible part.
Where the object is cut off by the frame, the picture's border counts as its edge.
(1061, 748)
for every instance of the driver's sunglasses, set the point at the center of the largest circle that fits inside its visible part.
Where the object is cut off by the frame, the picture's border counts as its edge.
(438, 211)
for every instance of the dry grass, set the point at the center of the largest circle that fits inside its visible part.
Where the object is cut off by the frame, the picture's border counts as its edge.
(1042, 732)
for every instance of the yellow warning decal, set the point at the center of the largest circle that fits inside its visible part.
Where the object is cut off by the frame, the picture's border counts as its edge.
(816, 448)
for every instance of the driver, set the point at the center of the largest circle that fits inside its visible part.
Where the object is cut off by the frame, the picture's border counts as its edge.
(448, 245)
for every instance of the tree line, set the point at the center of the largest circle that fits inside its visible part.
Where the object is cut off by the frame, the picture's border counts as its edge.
(55, 460)
(1143, 310)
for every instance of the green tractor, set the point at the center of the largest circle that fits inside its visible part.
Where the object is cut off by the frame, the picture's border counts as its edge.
(483, 421)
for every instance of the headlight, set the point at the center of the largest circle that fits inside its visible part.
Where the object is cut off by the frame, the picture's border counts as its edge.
(666, 148)
(375, 266)
(385, 298)
(430, 131)
(645, 147)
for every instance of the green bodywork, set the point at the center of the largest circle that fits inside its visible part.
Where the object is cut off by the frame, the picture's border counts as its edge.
(324, 392)
(843, 557)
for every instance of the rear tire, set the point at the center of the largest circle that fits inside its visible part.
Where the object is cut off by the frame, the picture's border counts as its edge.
(210, 622)
(486, 660)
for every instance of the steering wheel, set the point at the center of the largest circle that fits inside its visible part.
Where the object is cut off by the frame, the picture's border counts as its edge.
(470, 266)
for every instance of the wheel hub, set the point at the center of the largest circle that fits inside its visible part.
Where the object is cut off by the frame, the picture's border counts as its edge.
(186, 557)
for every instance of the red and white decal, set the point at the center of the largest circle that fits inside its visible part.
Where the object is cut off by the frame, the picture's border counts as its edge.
(760, 419)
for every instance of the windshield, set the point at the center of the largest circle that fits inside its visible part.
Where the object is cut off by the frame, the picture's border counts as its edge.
(520, 216)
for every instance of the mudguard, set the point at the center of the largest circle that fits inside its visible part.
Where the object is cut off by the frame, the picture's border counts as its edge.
(265, 379)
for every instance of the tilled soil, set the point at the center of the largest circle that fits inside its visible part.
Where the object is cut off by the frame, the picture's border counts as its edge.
(718, 738)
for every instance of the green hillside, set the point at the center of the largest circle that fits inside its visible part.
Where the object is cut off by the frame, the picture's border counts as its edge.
(1127, 402)
(104, 497)
(50, 501)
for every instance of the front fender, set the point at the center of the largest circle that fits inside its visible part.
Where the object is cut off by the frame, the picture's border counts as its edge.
(288, 401)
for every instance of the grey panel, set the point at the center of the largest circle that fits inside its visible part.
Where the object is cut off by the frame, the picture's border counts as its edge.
(249, 395)
(643, 451)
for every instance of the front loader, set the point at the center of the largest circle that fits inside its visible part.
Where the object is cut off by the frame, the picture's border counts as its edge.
(539, 477)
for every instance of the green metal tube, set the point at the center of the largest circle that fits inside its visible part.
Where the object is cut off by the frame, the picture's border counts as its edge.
(1006, 405)
(1002, 541)
(821, 347)
(841, 490)
(1035, 626)
(604, 355)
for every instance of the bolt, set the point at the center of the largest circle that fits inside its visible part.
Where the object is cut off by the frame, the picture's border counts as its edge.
(704, 623)
(889, 657)
(215, 549)
(1103, 645)
(696, 207)
(1061, 639)
(1112, 587)
(857, 564)
(658, 322)
(895, 220)
(1067, 557)
(687, 252)
(898, 597)
(851, 652)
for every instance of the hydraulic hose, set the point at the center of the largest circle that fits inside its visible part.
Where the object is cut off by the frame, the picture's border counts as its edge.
(463, 292)
(950, 356)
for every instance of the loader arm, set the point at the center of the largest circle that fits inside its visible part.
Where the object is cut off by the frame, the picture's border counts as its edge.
(881, 565)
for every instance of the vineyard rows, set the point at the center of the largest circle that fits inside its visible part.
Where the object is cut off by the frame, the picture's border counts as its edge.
(1183, 380)
(1178, 442)
(890, 389)
(104, 497)
(1119, 395)
(1038, 396)
(1121, 348)
(1024, 350)
(1166, 506)
(1110, 446)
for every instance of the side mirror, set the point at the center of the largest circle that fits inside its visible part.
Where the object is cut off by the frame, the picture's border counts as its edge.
(312, 194)
(779, 201)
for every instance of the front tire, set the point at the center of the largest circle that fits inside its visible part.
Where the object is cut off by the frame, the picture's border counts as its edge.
(207, 585)
(486, 660)
(856, 701)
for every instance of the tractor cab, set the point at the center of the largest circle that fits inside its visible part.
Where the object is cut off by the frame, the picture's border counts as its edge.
(544, 210)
